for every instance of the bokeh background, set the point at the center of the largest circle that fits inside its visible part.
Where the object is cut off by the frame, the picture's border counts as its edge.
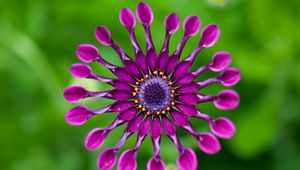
(38, 39)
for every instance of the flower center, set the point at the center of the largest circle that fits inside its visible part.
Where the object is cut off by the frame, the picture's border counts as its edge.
(154, 94)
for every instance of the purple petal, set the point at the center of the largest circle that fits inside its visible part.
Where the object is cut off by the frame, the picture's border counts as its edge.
(124, 75)
(190, 88)
(127, 160)
(120, 95)
(209, 144)
(162, 61)
(103, 35)
(227, 99)
(95, 138)
(169, 127)
(120, 106)
(156, 128)
(107, 159)
(185, 80)
(156, 164)
(152, 59)
(127, 19)
(191, 25)
(187, 160)
(189, 110)
(145, 127)
(220, 61)
(173, 60)
(209, 36)
(80, 70)
(230, 77)
(181, 69)
(189, 98)
(223, 128)
(87, 53)
(74, 93)
(172, 23)
(132, 68)
(134, 124)
(128, 114)
(144, 13)
(122, 86)
(78, 115)
(179, 118)
(141, 60)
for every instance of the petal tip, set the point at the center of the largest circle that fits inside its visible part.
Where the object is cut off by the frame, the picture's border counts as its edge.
(209, 144)
(209, 36)
(103, 35)
(144, 13)
(172, 22)
(80, 70)
(87, 53)
(191, 25)
(223, 128)
(127, 18)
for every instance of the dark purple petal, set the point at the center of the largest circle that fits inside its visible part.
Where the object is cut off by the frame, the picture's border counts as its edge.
(230, 77)
(144, 13)
(132, 67)
(220, 61)
(120, 95)
(103, 35)
(179, 118)
(152, 59)
(156, 128)
(124, 75)
(120, 106)
(107, 159)
(227, 99)
(173, 60)
(209, 36)
(87, 53)
(156, 164)
(209, 144)
(191, 25)
(189, 110)
(145, 127)
(187, 160)
(78, 115)
(172, 23)
(141, 60)
(189, 98)
(127, 160)
(186, 79)
(122, 86)
(190, 88)
(80, 70)
(128, 114)
(134, 124)
(169, 127)
(74, 93)
(163, 59)
(95, 138)
(127, 18)
(181, 69)
(223, 128)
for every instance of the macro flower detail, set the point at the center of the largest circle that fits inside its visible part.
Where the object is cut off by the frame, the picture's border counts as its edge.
(155, 92)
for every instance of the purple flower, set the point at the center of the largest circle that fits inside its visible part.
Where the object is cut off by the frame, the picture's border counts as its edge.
(155, 92)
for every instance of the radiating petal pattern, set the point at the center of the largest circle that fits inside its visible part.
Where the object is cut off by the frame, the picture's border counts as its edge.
(154, 92)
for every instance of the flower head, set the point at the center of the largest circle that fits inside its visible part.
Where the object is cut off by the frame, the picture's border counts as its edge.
(155, 92)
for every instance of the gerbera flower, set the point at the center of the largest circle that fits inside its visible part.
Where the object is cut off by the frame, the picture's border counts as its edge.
(154, 92)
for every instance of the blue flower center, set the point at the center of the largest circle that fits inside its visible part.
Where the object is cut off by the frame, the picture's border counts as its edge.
(154, 94)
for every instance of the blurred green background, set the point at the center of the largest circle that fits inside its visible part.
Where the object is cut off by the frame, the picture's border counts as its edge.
(38, 39)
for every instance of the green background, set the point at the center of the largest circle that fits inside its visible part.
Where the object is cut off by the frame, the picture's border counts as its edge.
(38, 39)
